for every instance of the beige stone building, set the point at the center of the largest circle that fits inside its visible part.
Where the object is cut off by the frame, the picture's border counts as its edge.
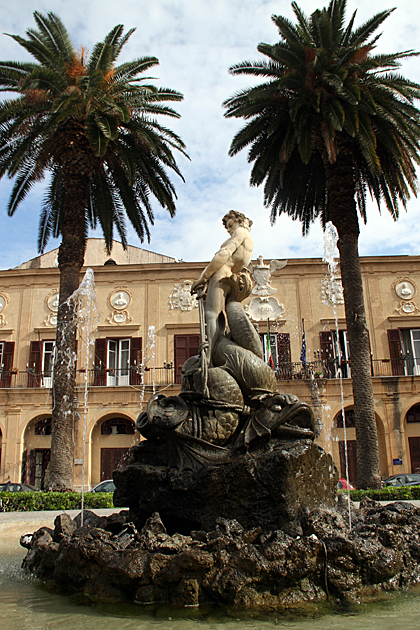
(148, 325)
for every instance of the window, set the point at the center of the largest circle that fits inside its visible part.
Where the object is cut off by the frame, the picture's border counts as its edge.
(185, 346)
(404, 349)
(41, 364)
(350, 421)
(335, 353)
(117, 426)
(117, 361)
(112, 459)
(34, 467)
(43, 427)
(280, 351)
(7, 349)
(413, 414)
(414, 446)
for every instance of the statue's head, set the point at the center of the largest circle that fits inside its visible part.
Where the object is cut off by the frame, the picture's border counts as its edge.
(239, 217)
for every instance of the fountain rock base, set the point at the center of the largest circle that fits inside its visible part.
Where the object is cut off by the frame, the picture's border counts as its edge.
(109, 560)
(270, 486)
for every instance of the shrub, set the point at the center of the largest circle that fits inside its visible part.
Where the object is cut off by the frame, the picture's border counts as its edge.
(44, 501)
(390, 493)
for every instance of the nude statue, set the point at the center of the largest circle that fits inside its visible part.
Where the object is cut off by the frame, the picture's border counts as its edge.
(232, 257)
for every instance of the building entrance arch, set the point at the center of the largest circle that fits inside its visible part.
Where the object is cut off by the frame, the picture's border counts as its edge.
(112, 437)
(412, 425)
(37, 452)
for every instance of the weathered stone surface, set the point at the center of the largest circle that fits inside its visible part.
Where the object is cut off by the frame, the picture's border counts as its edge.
(63, 526)
(235, 565)
(273, 486)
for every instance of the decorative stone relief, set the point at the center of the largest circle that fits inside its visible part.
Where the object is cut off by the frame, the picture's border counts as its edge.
(405, 289)
(263, 308)
(180, 297)
(119, 299)
(332, 291)
(4, 301)
(52, 304)
(261, 275)
(407, 308)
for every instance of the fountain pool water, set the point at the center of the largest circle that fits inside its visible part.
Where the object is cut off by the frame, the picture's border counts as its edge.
(26, 604)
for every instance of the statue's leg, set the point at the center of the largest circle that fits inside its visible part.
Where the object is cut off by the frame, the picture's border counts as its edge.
(215, 302)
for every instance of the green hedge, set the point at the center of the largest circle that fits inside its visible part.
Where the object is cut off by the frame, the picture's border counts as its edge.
(402, 493)
(40, 501)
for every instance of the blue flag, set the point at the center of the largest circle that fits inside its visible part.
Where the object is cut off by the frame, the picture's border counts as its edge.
(303, 350)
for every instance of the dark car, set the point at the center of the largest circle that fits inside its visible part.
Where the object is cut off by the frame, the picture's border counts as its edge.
(105, 486)
(411, 479)
(9, 486)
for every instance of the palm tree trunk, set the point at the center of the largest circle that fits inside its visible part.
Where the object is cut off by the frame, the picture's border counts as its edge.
(343, 212)
(75, 156)
(70, 261)
(71, 257)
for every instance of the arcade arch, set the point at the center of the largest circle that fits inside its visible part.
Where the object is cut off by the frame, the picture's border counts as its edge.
(36, 451)
(412, 432)
(338, 424)
(111, 439)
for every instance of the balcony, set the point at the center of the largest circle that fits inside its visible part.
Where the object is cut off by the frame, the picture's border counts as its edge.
(167, 375)
(98, 377)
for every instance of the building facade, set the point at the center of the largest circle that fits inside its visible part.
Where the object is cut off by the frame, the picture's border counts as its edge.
(148, 325)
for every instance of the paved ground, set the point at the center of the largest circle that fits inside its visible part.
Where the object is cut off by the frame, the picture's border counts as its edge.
(14, 524)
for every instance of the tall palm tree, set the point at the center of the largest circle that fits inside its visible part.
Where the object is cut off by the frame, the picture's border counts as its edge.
(91, 125)
(330, 122)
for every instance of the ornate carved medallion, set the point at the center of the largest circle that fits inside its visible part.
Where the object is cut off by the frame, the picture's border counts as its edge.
(405, 289)
(180, 297)
(119, 299)
(51, 301)
(4, 301)
(407, 308)
(263, 308)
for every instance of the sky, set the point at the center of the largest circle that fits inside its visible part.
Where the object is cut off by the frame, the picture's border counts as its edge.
(196, 41)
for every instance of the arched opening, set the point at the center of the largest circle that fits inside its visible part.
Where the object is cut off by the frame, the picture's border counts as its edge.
(352, 448)
(112, 439)
(412, 425)
(37, 452)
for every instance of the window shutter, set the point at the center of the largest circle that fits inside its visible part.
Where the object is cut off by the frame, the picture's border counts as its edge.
(395, 352)
(100, 362)
(186, 346)
(135, 360)
(8, 352)
(34, 375)
(284, 365)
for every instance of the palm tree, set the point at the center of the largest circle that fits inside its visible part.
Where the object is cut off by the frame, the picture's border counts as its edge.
(91, 125)
(330, 122)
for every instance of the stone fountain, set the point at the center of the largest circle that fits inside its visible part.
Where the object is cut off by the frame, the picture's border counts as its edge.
(230, 500)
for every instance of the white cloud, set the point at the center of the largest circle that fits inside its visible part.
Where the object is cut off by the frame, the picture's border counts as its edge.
(196, 41)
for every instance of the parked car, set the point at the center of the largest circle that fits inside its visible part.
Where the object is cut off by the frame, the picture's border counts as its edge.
(105, 486)
(411, 479)
(342, 485)
(9, 486)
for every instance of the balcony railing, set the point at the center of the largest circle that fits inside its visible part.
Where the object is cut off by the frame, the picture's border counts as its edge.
(99, 377)
(167, 375)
